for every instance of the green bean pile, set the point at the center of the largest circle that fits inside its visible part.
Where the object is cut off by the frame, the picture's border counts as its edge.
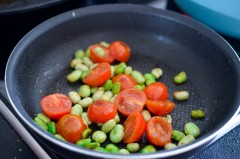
(113, 130)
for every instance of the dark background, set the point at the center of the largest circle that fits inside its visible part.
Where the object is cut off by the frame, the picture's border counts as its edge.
(14, 26)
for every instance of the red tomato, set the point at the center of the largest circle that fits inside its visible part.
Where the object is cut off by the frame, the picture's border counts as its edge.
(156, 91)
(160, 107)
(56, 105)
(130, 100)
(71, 127)
(125, 80)
(98, 75)
(134, 127)
(101, 111)
(100, 53)
(158, 131)
(120, 51)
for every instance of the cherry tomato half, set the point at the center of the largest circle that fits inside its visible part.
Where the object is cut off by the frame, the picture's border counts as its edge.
(101, 111)
(130, 100)
(158, 131)
(98, 75)
(56, 105)
(125, 80)
(160, 107)
(156, 91)
(120, 51)
(100, 53)
(134, 127)
(71, 127)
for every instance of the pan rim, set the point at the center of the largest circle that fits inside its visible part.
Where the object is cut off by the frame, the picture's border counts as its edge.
(62, 18)
(31, 6)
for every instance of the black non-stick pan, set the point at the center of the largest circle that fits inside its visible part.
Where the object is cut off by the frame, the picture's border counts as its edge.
(40, 62)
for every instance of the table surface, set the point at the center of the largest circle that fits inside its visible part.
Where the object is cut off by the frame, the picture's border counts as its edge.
(13, 147)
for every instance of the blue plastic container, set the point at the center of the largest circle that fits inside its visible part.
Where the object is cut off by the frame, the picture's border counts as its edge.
(222, 16)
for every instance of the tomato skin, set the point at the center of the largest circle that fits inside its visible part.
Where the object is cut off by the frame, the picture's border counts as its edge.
(125, 80)
(98, 75)
(56, 105)
(130, 100)
(71, 127)
(160, 107)
(120, 51)
(101, 111)
(156, 91)
(134, 128)
(95, 57)
(158, 131)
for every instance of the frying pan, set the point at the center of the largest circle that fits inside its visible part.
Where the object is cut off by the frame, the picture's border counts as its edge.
(39, 64)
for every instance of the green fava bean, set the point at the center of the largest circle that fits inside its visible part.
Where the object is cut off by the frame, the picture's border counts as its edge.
(84, 73)
(100, 149)
(170, 146)
(87, 52)
(77, 110)
(148, 149)
(112, 70)
(149, 78)
(146, 115)
(43, 117)
(117, 118)
(74, 76)
(104, 43)
(92, 145)
(104, 97)
(116, 88)
(86, 133)
(79, 54)
(128, 70)
(83, 142)
(87, 61)
(124, 151)
(82, 67)
(117, 133)
(52, 127)
(186, 140)
(97, 94)
(133, 147)
(59, 137)
(180, 78)
(108, 126)
(120, 68)
(181, 95)
(107, 85)
(85, 102)
(138, 77)
(109, 94)
(93, 89)
(74, 97)
(197, 114)
(40, 123)
(112, 148)
(192, 129)
(99, 136)
(84, 91)
(75, 62)
(177, 135)
(157, 72)
(86, 119)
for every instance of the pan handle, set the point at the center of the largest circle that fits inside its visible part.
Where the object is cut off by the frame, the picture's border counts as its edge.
(32, 143)
(234, 122)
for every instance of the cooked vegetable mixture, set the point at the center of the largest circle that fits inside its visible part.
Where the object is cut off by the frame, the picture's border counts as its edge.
(123, 103)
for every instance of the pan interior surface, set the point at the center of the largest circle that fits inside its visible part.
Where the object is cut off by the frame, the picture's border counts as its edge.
(40, 63)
